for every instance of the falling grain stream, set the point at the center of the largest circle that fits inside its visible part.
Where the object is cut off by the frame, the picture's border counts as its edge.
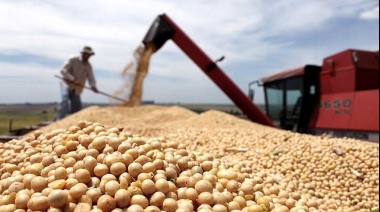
(132, 89)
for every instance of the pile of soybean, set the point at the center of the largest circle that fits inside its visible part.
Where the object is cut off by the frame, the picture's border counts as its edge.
(206, 162)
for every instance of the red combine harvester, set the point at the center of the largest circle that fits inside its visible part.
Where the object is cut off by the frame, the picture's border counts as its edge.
(341, 98)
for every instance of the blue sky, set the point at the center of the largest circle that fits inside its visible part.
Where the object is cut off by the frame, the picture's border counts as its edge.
(257, 38)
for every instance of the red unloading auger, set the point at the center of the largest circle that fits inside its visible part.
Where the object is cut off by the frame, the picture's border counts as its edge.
(163, 29)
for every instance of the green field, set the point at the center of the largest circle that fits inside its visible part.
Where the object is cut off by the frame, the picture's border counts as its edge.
(17, 116)
(24, 115)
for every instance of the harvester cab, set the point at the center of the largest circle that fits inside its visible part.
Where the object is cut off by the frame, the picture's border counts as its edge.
(290, 96)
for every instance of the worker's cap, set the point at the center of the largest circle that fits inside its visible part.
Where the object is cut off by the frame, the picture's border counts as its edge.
(88, 50)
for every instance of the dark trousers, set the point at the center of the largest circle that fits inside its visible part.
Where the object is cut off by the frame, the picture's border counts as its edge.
(70, 102)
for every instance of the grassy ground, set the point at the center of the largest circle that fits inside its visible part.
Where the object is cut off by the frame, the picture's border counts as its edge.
(23, 115)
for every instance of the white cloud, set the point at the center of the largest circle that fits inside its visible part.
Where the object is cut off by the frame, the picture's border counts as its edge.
(370, 14)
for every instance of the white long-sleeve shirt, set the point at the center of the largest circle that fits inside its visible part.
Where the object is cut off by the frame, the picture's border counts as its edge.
(75, 69)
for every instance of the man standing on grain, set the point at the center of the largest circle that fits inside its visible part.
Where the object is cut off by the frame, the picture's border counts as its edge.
(75, 72)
